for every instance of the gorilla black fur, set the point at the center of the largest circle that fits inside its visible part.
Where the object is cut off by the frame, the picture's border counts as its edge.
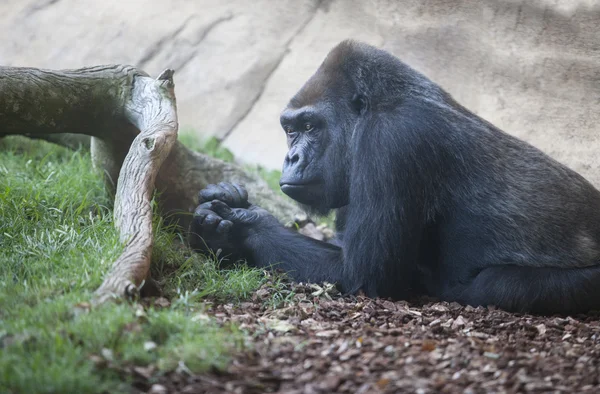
(431, 198)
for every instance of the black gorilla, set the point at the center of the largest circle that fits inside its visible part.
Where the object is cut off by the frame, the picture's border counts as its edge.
(431, 199)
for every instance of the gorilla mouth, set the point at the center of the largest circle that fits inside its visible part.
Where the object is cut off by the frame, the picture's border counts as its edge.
(305, 193)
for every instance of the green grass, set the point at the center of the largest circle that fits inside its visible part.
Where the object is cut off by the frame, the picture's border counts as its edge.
(191, 277)
(209, 146)
(57, 241)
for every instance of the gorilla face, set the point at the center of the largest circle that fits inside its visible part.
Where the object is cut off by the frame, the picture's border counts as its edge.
(303, 177)
(315, 172)
(319, 123)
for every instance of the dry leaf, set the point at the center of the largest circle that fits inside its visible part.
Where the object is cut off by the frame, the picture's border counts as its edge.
(328, 333)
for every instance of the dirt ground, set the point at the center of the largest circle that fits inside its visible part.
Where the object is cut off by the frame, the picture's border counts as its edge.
(329, 344)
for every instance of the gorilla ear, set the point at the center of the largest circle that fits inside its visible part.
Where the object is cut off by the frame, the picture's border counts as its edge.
(359, 104)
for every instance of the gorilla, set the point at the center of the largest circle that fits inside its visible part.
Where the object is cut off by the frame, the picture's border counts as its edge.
(430, 198)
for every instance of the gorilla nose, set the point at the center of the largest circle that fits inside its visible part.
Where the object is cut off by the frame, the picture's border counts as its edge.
(291, 160)
(292, 165)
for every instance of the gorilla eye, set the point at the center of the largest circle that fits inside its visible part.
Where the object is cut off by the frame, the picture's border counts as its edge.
(289, 130)
(308, 127)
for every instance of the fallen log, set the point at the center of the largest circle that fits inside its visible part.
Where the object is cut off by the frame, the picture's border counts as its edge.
(132, 120)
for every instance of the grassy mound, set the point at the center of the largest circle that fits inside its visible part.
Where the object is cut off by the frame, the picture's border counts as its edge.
(57, 241)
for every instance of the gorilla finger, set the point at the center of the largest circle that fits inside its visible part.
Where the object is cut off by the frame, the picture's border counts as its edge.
(208, 194)
(243, 193)
(222, 209)
(201, 192)
(224, 227)
(202, 209)
(236, 198)
(211, 221)
(213, 192)
(236, 215)
(200, 214)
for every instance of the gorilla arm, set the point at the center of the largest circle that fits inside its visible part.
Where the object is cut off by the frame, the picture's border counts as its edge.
(255, 235)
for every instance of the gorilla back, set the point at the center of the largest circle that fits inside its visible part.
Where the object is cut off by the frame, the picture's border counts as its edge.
(434, 200)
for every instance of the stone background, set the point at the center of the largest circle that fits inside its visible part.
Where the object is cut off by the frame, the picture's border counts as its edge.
(532, 67)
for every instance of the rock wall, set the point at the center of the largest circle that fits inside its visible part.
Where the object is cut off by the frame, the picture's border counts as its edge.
(532, 67)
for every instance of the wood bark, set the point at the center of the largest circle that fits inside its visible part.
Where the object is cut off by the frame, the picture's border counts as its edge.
(132, 119)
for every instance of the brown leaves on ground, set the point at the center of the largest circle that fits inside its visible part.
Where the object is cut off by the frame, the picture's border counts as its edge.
(361, 345)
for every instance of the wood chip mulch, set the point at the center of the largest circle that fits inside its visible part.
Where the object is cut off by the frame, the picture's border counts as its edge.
(319, 343)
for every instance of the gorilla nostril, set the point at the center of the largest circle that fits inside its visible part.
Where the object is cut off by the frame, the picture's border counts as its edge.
(293, 159)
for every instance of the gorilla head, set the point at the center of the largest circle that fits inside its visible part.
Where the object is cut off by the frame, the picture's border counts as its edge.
(319, 123)
(335, 104)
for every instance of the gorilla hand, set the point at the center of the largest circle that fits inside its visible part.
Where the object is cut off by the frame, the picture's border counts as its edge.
(209, 232)
(247, 222)
(231, 194)
(216, 225)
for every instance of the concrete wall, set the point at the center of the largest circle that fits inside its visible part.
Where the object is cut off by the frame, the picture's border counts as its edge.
(532, 67)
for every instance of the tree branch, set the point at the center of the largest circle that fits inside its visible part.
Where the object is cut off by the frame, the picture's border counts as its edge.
(152, 110)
